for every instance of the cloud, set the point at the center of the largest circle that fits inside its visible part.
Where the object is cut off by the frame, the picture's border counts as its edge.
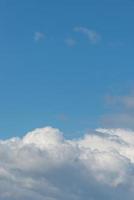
(124, 120)
(38, 36)
(45, 165)
(92, 35)
(70, 42)
(62, 117)
(121, 111)
(125, 101)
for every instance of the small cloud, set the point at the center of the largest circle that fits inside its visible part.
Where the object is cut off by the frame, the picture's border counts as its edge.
(122, 120)
(122, 111)
(62, 117)
(92, 35)
(38, 36)
(125, 101)
(70, 42)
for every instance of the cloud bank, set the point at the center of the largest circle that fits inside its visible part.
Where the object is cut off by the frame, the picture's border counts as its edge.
(45, 165)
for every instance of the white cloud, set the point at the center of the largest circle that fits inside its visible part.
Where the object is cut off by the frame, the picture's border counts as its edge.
(44, 165)
(38, 36)
(92, 35)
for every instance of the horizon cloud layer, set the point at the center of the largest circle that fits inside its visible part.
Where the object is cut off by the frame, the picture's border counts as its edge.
(45, 165)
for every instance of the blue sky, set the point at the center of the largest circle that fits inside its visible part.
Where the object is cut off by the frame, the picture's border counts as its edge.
(59, 60)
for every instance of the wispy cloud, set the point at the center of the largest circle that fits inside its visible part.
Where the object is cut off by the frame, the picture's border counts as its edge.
(62, 117)
(118, 120)
(92, 35)
(127, 101)
(45, 165)
(38, 36)
(121, 113)
(70, 42)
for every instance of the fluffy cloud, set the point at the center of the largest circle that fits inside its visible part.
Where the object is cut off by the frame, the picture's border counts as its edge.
(45, 165)
(92, 35)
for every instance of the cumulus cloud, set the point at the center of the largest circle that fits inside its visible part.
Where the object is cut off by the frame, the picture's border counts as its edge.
(45, 165)
(92, 35)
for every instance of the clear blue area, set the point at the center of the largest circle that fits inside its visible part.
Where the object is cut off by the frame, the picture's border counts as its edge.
(49, 83)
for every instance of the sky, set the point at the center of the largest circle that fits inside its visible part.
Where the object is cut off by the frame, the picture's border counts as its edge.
(66, 100)
(61, 63)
